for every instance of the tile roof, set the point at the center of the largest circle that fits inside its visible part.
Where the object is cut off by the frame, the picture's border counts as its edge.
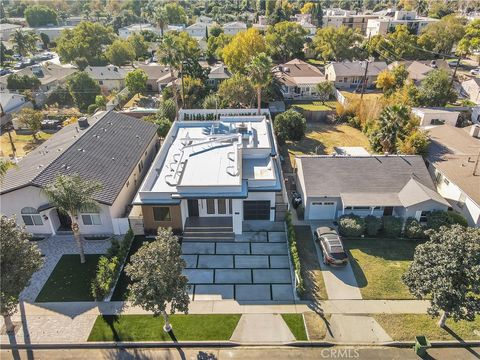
(107, 151)
(366, 178)
(455, 153)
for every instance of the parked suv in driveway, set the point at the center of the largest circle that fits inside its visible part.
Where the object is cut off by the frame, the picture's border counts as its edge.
(331, 245)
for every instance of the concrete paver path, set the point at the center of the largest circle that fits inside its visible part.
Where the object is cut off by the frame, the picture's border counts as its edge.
(340, 282)
(262, 328)
(355, 329)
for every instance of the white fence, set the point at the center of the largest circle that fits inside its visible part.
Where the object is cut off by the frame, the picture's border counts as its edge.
(341, 99)
(120, 226)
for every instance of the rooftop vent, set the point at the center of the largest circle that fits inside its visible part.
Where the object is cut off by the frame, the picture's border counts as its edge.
(83, 123)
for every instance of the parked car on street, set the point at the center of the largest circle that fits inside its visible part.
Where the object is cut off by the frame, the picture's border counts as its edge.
(19, 65)
(331, 246)
(5, 72)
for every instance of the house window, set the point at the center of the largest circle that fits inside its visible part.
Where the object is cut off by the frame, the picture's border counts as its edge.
(210, 206)
(222, 208)
(91, 216)
(100, 82)
(161, 213)
(345, 79)
(31, 216)
(361, 208)
(423, 216)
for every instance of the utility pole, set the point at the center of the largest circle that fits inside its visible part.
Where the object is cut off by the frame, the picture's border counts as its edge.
(455, 71)
(364, 81)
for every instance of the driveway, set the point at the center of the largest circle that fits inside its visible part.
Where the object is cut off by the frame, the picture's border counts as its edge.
(340, 282)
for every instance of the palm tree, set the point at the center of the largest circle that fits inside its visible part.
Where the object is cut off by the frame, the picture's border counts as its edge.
(260, 72)
(24, 42)
(391, 124)
(169, 53)
(70, 194)
(421, 7)
(160, 18)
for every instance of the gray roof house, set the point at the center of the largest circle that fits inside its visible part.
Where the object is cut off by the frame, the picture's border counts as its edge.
(378, 185)
(109, 77)
(418, 70)
(154, 73)
(347, 74)
(109, 147)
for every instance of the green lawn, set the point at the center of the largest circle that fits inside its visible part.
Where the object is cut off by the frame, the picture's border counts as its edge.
(407, 326)
(317, 106)
(296, 326)
(70, 280)
(149, 328)
(378, 265)
(121, 292)
(312, 276)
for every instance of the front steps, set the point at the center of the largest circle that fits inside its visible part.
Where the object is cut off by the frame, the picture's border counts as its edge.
(208, 229)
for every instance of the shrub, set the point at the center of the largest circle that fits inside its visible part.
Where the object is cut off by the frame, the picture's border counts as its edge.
(373, 225)
(290, 125)
(414, 230)
(292, 244)
(102, 283)
(444, 218)
(351, 225)
(392, 226)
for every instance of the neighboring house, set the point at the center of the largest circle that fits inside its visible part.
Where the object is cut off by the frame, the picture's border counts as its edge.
(166, 80)
(298, 79)
(418, 70)
(227, 169)
(349, 75)
(388, 23)
(471, 88)
(332, 186)
(51, 76)
(154, 73)
(198, 30)
(11, 103)
(353, 21)
(454, 164)
(111, 148)
(7, 30)
(309, 27)
(53, 32)
(262, 23)
(436, 116)
(204, 19)
(233, 28)
(108, 77)
(126, 31)
(217, 74)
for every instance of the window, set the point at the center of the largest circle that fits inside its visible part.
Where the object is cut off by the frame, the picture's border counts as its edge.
(361, 208)
(423, 216)
(31, 216)
(210, 206)
(328, 203)
(222, 209)
(90, 216)
(161, 213)
(100, 82)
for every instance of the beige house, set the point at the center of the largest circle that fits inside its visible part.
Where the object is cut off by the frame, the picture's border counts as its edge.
(349, 75)
(108, 77)
(298, 79)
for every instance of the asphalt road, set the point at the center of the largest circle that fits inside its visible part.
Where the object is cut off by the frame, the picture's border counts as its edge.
(246, 353)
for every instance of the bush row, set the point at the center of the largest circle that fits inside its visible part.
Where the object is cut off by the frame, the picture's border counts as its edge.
(354, 226)
(109, 266)
(292, 244)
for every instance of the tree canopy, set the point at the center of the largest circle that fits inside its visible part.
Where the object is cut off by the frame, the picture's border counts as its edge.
(436, 89)
(24, 42)
(290, 125)
(470, 43)
(83, 90)
(30, 119)
(40, 15)
(337, 44)
(243, 47)
(237, 91)
(136, 81)
(285, 40)
(440, 36)
(120, 52)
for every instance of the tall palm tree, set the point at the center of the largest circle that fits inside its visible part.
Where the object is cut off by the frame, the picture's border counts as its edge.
(24, 42)
(169, 53)
(260, 72)
(69, 194)
(160, 18)
(391, 125)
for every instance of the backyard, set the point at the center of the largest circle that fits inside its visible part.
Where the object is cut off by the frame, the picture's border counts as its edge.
(321, 138)
(70, 280)
(316, 105)
(378, 265)
(23, 143)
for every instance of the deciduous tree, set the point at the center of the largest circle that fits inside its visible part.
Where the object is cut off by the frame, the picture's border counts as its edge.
(139, 45)
(337, 44)
(71, 194)
(443, 34)
(446, 270)
(83, 89)
(136, 81)
(40, 15)
(157, 279)
(436, 89)
(237, 91)
(325, 90)
(31, 119)
(120, 52)
(243, 47)
(290, 125)
(19, 260)
(285, 40)
(470, 43)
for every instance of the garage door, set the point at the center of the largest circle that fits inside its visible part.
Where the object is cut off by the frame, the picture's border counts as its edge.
(322, 210)
(256, 210)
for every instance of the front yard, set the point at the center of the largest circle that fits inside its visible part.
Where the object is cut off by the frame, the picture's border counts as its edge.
(321, 138)
(407, 326)
(70, 280)
(378, 265)
(312, 275)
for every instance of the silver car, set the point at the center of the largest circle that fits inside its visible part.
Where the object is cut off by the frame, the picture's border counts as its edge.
(331, 245)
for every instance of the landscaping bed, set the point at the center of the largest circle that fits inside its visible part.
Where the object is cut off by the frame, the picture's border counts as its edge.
(70, 280)
(378, 265)
(149, 328)
(404, 327)
(296, 325)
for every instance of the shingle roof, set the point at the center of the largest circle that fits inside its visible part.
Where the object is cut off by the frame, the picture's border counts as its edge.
(418, 70)
(455, 153)
(356, 68)
(109, 72)
(107, 151)
(154, 72)
(46, 72)
(297, 72)
(366, 177)
(219, 71)
(235, 24)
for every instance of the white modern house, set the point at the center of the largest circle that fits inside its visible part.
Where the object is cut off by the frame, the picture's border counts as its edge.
(53, 32)
(332, 186)
(225, 169)
(436, 116)
(233, 28)
(385, 24)
(108, 147)
(454, 164)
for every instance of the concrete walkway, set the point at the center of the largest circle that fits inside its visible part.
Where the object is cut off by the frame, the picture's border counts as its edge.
(340, 282)
(355, 329)
(262, 329)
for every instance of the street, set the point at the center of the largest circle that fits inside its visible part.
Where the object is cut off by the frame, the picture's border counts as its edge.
(245, 353)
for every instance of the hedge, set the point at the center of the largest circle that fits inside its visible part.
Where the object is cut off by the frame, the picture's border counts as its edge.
(351, 225)
(392, 225)
(444, 218)
(109, 266)
(373, 225)
(292, 244)
(414, 230)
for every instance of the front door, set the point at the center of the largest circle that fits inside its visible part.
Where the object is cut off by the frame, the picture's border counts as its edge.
(65, 221)
(192, 207)
(388, 211)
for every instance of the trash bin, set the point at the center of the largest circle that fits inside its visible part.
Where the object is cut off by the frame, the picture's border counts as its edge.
(421, 345)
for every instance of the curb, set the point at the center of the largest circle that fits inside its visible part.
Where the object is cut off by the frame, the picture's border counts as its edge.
(399, 344)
